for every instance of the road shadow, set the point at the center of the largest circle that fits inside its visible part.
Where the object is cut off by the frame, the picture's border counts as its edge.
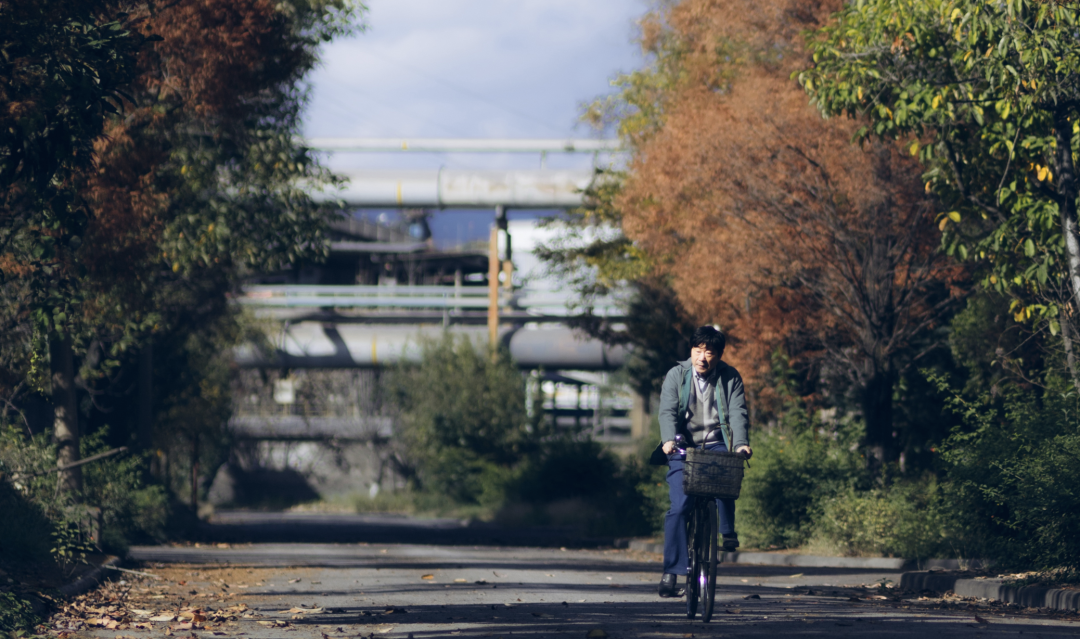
(285, 527)
(668, 618)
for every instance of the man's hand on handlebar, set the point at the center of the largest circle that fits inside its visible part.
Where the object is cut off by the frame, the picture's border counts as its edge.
(670, 446)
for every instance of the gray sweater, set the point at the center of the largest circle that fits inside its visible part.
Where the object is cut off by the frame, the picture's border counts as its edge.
(729, 382)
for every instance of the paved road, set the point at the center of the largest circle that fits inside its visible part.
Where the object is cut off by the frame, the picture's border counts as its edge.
(420, 591)
(292, 527)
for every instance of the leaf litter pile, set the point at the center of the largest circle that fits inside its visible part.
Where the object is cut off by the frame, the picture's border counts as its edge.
(181, 599)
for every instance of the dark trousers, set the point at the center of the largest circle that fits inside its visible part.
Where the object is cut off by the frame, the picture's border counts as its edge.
(676, 559)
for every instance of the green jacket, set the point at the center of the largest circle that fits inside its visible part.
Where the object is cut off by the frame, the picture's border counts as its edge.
(730, 401)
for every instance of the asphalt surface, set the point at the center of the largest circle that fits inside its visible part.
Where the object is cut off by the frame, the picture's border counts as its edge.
(430, 590)
(294, 527)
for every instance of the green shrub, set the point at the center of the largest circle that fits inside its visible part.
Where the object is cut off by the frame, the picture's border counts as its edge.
(793, 471)
(1012, 469)
(54, 521)
(903, 520)
(40, 519)
(578, 481)
(463, 417)
(24, 529)
(16, 615)
(131, 511)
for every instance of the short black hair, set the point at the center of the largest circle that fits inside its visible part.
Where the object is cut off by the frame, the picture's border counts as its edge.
(709, 337)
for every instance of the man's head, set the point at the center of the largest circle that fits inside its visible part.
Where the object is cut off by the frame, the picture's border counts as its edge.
(706, 348)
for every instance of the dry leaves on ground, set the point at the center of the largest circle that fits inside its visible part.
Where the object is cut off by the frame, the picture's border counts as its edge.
(140, 603)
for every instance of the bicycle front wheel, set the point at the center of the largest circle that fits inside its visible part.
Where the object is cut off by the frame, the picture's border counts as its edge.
(693, 528)
(708, 549)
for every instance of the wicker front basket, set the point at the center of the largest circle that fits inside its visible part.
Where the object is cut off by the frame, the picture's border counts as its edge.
(713, 473)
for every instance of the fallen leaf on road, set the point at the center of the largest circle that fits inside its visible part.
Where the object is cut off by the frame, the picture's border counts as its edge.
(461, 581)
(142, 613)
(300, 610)
(142, 626)
(796, 575)
(752, 597)
(480, 583)
(273, 624)
(427, 576)
(395, 611)
(596, 633)
(293, 581)
(383, 629)
(163, 618)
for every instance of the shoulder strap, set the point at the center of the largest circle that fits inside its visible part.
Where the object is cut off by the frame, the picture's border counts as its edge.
(684, 393)
(722, 404)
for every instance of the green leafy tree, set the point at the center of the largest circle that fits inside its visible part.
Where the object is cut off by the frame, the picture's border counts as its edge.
(987, 95)
(181, 173)
(1011, 467)
(63, 66)
(465, 425)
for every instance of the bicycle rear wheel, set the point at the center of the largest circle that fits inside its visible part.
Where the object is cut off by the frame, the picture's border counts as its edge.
(708, 548)
(692, 533)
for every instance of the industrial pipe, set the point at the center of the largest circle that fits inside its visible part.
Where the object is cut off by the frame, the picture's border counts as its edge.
(446, 188)
(316, 345)
(463, 145)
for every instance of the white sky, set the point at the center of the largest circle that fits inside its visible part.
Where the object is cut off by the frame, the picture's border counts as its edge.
(471, 68)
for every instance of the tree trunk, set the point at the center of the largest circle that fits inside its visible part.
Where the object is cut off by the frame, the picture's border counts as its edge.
(65, 417)
(195, 474)
(1067, 191)
(145, 398)
(1070, 353)
(878, 412)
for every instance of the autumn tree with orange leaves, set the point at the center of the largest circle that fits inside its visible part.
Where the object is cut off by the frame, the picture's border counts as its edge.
(763, 216)
(186, 176)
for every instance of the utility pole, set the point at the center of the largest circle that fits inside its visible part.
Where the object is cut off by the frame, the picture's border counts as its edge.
(493, 289)
(495, 266)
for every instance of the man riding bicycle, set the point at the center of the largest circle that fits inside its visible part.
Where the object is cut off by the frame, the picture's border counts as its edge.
(691, 406)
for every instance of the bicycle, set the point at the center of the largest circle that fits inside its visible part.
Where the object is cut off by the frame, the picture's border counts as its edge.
(703, 549)
(702, 531)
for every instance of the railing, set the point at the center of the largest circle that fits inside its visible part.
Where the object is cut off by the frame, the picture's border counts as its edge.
(412, 297)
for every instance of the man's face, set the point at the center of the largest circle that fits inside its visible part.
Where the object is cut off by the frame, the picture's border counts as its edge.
(703, 358)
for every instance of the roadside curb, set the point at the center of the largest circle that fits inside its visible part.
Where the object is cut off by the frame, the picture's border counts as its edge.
(995, 589)
(89, 580)
(815, 561)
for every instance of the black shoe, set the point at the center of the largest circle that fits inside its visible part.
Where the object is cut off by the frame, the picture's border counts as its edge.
(730, 542)
(669, 586)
